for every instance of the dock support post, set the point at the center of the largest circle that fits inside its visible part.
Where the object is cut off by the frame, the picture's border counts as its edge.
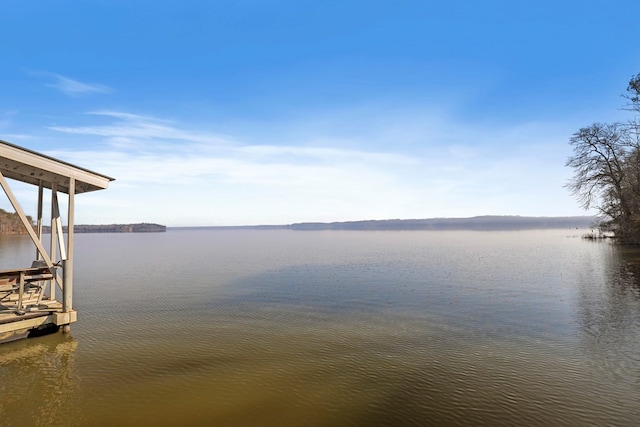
(67, 264)
(67, 289)
(20, 294)
(39, 223)
(53, 235)
(67, 285)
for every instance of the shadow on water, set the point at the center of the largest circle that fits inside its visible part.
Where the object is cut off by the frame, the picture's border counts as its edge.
(424, 352)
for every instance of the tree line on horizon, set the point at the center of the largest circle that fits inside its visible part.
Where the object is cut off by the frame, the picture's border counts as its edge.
(606, 166)
(10, 223)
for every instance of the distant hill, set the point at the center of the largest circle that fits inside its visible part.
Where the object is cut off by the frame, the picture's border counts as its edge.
(10, 223)
(488, 222)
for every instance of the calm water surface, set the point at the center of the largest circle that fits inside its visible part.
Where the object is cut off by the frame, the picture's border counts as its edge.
(335, 328)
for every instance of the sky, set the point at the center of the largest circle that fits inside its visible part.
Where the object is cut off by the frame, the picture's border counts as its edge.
(251, 112)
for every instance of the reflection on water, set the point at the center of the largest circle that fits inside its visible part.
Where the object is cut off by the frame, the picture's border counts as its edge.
(38, 385)
(609, 317)
(276, 328)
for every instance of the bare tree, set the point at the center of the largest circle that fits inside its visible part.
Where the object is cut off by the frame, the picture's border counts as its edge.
(633, 93)
(606, 163)
(597, 160)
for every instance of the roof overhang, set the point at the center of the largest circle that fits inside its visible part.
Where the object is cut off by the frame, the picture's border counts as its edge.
(34, 168)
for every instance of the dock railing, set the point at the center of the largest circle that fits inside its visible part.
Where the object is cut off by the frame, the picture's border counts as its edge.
(23, 288)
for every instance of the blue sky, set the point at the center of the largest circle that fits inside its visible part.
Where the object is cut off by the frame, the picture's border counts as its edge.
(273, 112)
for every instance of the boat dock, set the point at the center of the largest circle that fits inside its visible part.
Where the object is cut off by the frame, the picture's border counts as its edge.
(38, 297)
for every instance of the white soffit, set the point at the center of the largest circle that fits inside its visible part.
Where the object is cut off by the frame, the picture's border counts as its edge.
(28, 166)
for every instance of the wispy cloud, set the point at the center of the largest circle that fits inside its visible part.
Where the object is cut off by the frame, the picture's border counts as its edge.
(155, 161)
(195, 177)
(144, 148)
(72, 87)
(129, 129)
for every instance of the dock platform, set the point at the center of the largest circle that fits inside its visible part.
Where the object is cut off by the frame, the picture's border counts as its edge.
(28, 295)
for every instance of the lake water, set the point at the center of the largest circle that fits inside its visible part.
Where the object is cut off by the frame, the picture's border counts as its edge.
(335, 328)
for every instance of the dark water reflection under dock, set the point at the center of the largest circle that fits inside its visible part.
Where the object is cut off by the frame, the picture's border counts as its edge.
(278, 327)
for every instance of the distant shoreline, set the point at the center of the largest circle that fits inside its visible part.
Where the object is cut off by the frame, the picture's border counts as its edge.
(479, 223)
(113, 228)
(487, 222)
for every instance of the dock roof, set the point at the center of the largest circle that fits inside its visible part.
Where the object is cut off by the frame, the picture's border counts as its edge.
(28, 166)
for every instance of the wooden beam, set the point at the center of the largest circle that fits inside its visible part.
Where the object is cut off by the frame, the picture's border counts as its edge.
(25, 221)
(28, 226)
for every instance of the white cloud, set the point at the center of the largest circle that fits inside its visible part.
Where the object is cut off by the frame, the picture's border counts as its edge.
(132, 130)
(73, 87)
(166, 172)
